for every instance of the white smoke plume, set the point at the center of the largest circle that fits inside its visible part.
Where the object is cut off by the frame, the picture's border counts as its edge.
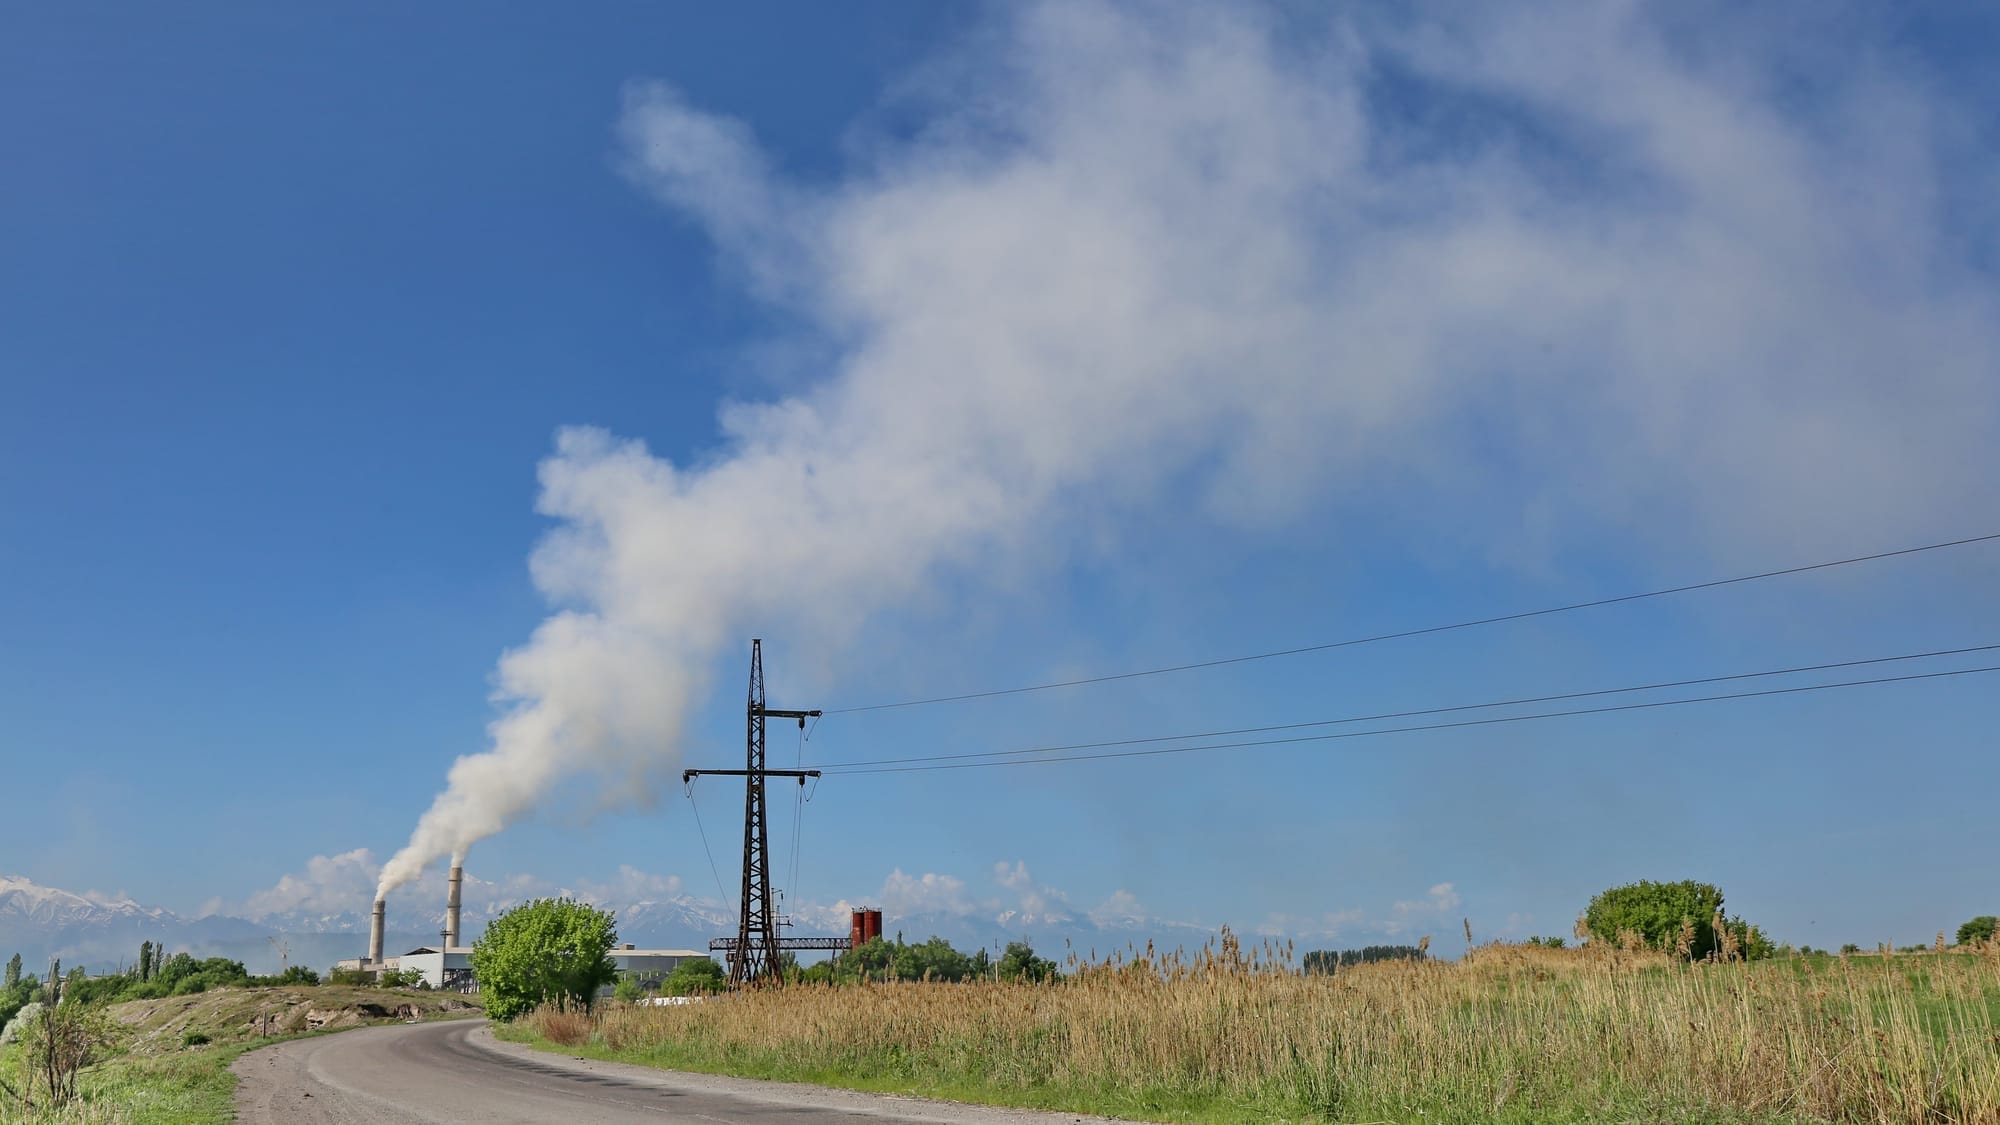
(1666, 296)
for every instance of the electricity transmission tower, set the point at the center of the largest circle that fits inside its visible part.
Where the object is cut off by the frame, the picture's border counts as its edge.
(756, 947)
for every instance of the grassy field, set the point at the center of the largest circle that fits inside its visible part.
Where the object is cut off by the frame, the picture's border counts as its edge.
(1511, 1033)
(173, 1063)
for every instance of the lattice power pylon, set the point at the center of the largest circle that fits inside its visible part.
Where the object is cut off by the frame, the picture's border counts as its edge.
(755, 950)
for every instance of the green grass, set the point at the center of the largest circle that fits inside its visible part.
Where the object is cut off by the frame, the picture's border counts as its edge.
(903, 1074)
(1511, 1035)
(911, 1074)
(158, 1080)
(185, 1088)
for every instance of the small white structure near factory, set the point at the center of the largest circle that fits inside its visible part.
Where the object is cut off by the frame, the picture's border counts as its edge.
(447, 967)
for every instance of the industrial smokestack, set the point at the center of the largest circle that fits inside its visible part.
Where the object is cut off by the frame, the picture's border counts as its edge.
(451, 899)
(375, 933)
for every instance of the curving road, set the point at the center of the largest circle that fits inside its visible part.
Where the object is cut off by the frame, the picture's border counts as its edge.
(457, 1071)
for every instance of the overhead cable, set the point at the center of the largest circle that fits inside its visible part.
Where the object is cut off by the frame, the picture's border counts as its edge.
(1406, 633)
(1425, 726)
(1386, 715)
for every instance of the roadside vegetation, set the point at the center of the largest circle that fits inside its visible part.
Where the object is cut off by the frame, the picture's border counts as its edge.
(1645, 1017)
(546, 951)
(154, 1043)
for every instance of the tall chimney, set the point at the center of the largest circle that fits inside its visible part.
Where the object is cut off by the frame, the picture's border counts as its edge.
(451, 907)
(375, 933)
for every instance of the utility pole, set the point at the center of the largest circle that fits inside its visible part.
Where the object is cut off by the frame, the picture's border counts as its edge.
(756, 946)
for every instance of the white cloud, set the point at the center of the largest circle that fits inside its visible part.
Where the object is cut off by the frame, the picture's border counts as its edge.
(928, 893)
(330, 884)
(1676, 304)
(1122, 906)
(1440, 899)
(631, 885)
(1031, 899)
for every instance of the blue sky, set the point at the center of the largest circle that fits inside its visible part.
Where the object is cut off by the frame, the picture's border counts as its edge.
(950, 348)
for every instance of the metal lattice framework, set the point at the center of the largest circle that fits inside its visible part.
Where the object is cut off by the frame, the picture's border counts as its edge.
(754, 952)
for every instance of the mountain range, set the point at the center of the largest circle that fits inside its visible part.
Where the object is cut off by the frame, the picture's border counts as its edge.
(103, 933)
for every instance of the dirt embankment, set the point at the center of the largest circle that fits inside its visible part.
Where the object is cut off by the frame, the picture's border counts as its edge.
(234, 1015)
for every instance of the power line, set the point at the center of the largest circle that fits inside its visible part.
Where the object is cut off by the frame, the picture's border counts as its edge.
(1522, 616)
(1429, 726)
(712, 868)
(842, 766)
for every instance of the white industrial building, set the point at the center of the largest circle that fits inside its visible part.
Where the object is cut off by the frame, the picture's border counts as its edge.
(447, 967)
(451, 966)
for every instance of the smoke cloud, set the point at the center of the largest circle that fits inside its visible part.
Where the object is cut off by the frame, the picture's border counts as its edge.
(1268, 263)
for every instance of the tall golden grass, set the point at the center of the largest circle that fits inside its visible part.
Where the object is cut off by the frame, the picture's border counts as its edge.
(1510, 1031)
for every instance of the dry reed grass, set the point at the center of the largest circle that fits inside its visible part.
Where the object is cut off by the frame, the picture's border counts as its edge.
(1524, 1032)
(570, 1027)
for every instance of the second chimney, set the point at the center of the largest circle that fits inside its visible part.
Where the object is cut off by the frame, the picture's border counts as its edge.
(451, 899)
(375, 933)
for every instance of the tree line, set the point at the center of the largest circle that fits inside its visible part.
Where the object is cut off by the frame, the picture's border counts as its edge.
(1684, 918)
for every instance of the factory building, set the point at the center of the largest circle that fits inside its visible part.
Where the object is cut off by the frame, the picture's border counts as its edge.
(448, 965)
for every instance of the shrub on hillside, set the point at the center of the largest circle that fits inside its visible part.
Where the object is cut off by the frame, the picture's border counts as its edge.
(1661, 917)
(293, 976)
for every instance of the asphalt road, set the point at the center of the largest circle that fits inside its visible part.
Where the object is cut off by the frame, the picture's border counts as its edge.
(457, 1071)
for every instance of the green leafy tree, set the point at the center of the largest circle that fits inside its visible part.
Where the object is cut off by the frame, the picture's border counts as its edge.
(548, 950)
(821, 973)
(1751, 944)
(868, 961)
(145, 961)
(932, 960)
(695, 976)
(13, 999)
(1018, 962)
(13, 971)
(1656, 911)
(1977, 930)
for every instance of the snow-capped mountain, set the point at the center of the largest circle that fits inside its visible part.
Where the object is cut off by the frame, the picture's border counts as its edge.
(95, 930)
(103, 933)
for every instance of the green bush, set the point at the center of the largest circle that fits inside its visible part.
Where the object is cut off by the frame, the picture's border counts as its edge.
(1978, 929)
(195, 1039)
(1656, 911)
(549, 950)
(694, 977)
(1018, 962)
